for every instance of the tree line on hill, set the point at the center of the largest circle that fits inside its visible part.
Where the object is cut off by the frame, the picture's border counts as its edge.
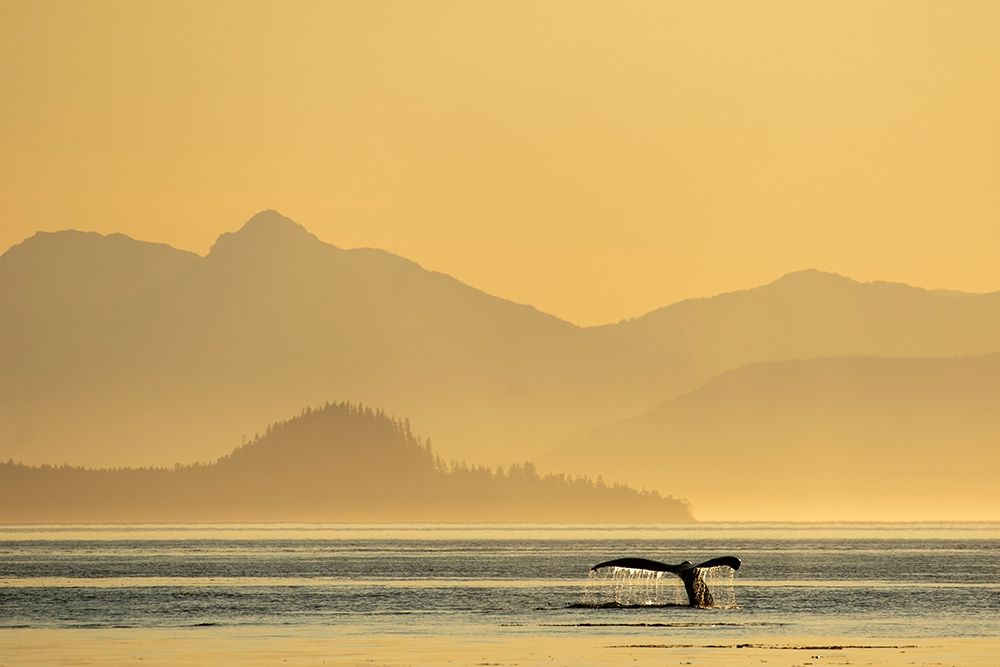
(341, 462)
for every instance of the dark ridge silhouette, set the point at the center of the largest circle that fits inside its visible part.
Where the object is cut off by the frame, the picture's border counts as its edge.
(338, 463)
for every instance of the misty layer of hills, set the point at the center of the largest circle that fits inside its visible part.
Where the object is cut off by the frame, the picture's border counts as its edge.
(844, 438)
(812, 393)
(178, 362)
(337, 463)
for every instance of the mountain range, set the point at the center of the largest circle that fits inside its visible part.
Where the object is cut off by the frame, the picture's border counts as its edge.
(178, 363)
(120, 352)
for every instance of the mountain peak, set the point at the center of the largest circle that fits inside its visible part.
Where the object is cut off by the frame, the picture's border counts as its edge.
(270, 221)
(264, 231)
(813, 277)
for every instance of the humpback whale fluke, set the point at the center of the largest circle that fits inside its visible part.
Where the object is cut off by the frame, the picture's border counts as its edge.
(690, 574)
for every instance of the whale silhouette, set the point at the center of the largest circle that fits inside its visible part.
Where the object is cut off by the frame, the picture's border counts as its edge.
(692, 575)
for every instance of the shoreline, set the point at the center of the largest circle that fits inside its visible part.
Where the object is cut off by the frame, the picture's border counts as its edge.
(319, 645)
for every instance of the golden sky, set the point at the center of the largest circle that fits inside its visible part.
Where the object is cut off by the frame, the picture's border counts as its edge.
(595, 159)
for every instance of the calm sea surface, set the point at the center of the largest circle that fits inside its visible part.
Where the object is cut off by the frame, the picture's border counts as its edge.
(850, 580)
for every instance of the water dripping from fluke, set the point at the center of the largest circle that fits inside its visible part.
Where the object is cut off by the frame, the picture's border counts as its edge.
(639, 582)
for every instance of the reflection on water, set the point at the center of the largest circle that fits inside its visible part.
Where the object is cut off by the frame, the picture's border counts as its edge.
(865, 580)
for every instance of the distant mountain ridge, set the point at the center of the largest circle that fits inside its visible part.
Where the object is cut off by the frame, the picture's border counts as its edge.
(176, 369)
(101, 270)
(337, 463)
(119, 352)
(812, 313)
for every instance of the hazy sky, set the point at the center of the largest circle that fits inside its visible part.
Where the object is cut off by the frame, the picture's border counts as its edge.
(595, 159)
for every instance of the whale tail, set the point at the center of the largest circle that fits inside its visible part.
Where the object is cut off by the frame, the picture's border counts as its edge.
(692, 575)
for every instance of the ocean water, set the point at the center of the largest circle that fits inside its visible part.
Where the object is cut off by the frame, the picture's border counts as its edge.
(862, 581)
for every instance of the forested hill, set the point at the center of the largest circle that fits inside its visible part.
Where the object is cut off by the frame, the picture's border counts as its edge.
(338, 463)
